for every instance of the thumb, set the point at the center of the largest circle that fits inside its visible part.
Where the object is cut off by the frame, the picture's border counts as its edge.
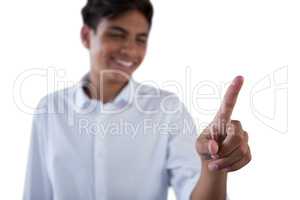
(213, 147)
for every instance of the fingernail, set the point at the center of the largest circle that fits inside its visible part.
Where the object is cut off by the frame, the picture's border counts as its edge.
(213, 147)
(213, 167)
(237, 78)
(240, 77)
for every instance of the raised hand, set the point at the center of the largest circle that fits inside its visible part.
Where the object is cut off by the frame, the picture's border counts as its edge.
(223, 145)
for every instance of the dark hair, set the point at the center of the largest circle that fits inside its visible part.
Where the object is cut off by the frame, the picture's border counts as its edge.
(95, 10)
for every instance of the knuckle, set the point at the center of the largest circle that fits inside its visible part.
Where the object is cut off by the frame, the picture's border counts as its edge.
(245, 136)
(237, 124)
(199, 139)
(198, 143)
(223, 120)
(230, 126)
(198, 147)
(205, 132)
(238, 138)
(244, 151)
(230, 129)
(234, 121)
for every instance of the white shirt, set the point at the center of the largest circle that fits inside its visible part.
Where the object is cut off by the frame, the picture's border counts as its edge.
(132, 148)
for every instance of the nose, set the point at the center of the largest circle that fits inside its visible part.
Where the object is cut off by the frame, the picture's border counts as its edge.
(130, 49)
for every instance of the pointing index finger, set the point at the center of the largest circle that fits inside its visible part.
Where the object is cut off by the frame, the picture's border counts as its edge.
(230, 98)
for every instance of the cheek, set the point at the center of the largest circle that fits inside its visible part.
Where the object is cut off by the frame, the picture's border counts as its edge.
(142, 53)
(102, 52)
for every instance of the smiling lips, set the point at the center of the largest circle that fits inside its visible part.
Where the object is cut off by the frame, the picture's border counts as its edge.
(123, 63)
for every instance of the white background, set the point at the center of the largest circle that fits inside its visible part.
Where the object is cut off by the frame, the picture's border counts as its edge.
(204, 42)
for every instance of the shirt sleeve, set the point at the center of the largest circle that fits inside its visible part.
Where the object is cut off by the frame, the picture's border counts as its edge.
(37, 185)
(183, 162)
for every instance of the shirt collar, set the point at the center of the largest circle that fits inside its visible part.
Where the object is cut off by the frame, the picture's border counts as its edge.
(125, 96)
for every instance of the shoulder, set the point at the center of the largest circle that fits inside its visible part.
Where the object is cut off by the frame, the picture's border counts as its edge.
(54, 101)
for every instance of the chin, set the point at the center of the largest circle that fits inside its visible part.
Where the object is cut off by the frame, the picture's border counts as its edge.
(118, 79)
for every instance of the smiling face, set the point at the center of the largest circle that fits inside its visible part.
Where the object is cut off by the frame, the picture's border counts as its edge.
(117, 47)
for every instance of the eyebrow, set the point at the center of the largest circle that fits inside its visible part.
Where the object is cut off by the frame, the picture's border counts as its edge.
(120, 29)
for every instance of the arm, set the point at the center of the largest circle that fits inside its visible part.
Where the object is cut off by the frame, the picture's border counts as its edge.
(37, 183)
(211, 185)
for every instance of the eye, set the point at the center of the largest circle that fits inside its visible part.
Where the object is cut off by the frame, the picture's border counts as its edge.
(116, 35)
(142, 40)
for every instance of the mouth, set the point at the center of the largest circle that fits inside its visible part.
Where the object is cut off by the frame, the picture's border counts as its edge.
(124, 63)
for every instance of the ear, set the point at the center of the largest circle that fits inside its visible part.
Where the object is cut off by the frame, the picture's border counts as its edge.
(85, 36)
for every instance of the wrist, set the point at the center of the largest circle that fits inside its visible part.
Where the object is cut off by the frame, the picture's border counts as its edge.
(212, 171)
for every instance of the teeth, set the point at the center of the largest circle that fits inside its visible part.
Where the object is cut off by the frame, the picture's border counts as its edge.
(125, 63)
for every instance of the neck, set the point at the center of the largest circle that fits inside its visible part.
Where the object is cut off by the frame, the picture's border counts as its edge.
(103, 90)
